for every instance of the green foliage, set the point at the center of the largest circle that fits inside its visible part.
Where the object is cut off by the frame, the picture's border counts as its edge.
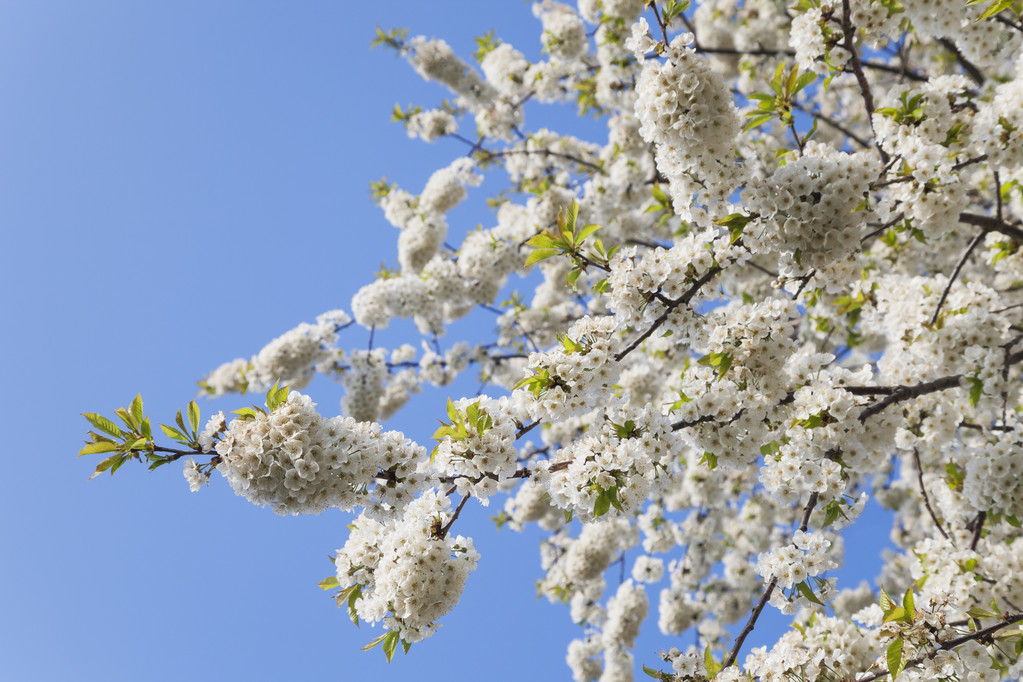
(710, 459)
(895, 612)
(736, 223)
(996, 6)
(659, 675)
(485, 44)
(394, 38)
(125, 443)
(720, 360)
(909, 112)
(134, 440)
(402, 116)
(1004, 248)
(473, 419)
(275, 397)
(780, 105)
(538, 382)
(606, 498)
(712, 666)
(568, 241)
(626, 430)
(807, 593)
(673, 9)
(390, 641)
(381, 188)
(328, 583)
(896, 664)
(662, 205)
(976, 388)
(501, 519)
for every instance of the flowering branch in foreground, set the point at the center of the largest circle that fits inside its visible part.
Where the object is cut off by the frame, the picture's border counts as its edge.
(739, 323)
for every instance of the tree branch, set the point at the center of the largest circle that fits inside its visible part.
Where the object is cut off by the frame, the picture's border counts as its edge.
(669, 307)
(923, 492)
(955, 273)
(901, 393)
(1007, 620)
(759, 608)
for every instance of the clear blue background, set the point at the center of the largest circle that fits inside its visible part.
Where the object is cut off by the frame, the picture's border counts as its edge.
(179, 184)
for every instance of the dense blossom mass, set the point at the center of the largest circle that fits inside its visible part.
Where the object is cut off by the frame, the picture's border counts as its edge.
(783, 282)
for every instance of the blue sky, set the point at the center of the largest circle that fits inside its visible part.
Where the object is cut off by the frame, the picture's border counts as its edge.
(179, 184)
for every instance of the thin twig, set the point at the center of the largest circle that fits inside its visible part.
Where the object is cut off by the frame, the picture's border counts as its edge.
(923, 492)
(758, 609)
(526, 429)
(451, 521)
(901, 393)
(1007, 620)
(978, 526)
(992, 224)
(857, 68)
(671, 305)
(955, 273)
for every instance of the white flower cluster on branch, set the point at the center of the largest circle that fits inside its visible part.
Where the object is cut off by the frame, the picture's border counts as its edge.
(713, 344)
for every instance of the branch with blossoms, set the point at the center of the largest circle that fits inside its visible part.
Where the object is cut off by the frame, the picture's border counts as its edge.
(978, 635)
(792, 220)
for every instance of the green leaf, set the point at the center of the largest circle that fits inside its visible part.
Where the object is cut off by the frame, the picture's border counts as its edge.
(193, 415)
(406, 645)
(803, 80)
(390, 644)
(808, 593)
(585, 232)
(545, 240)
(329, 583)
(908, 604)
(136, 409)
(897, 613)
(539, 255)
(572, 277)
(126, 417)
(113, 463)
(995, 7)
(756, 121)
(894, 656)
(886, 603)
(602, 505)
(830, 513)
(172, 432)
(612, 494)
(348, 597)
(246, 413)
(709, 663)
(97, 448)
(710, 459)
(103, 424)
(376, 641)
(571, 214)
(275, 397)
(976, 390)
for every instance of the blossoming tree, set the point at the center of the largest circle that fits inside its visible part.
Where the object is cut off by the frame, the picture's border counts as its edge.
(789, 279)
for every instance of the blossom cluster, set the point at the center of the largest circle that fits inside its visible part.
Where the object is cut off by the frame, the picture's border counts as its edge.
(408, 572)
(299, 463)
(741, 339)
